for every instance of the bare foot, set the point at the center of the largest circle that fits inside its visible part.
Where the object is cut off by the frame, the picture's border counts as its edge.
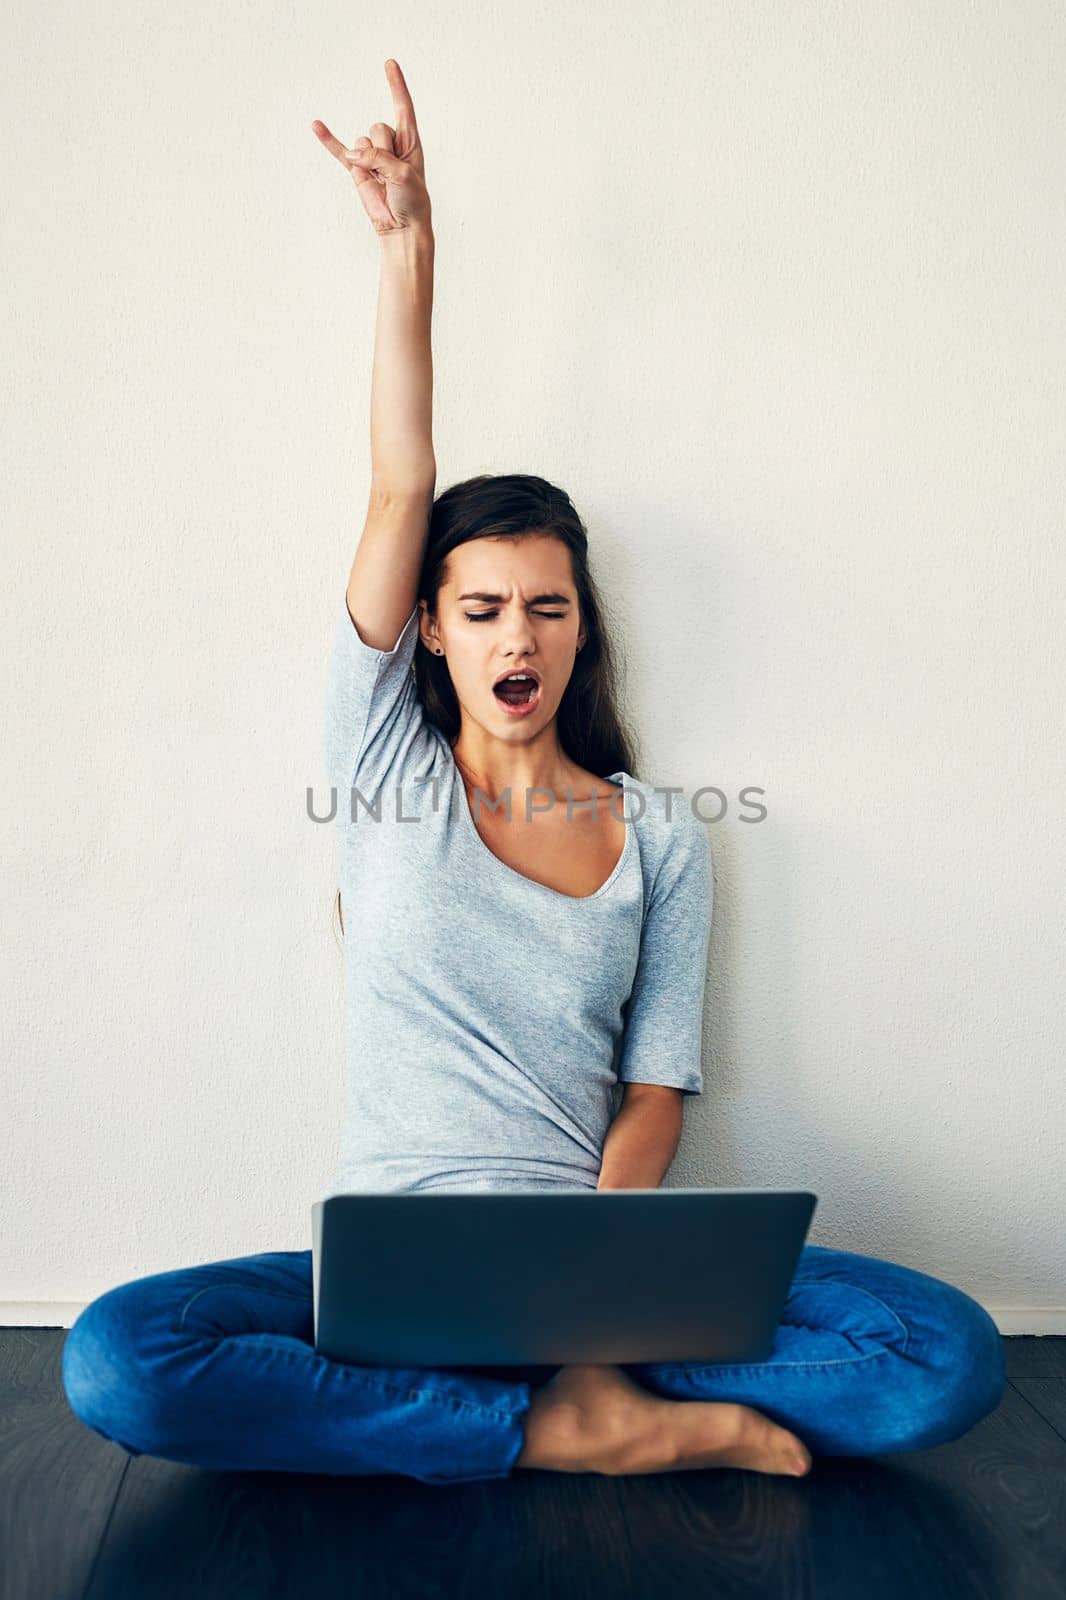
(598, 1419)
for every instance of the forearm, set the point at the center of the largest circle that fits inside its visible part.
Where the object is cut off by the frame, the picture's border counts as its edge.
(640, 1145)
(401, 404)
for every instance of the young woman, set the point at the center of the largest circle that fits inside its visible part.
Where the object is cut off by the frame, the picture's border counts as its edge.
(527, 928)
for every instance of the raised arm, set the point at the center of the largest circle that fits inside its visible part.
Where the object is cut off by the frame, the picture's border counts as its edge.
(389, 173)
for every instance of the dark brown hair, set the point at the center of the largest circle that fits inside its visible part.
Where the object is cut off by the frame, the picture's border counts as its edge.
(589, 726)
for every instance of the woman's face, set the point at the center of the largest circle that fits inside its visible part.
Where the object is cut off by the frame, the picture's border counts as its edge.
(510, 605)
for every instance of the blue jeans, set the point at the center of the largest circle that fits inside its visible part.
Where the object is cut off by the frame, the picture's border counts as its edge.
(215, 1366)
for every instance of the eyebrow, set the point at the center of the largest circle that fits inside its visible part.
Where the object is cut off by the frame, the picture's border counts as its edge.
(538, 599)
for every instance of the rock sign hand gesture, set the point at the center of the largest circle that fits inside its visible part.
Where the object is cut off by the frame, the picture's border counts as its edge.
(387, 169)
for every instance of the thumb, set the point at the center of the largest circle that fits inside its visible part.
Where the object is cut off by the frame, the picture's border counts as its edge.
(381, 162)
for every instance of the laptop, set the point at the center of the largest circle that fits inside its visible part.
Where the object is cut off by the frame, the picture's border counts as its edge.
(536, 1278)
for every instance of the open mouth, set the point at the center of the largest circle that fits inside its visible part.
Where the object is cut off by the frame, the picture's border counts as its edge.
(516, 695)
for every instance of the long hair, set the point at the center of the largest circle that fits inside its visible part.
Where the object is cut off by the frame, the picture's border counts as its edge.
(589, 727)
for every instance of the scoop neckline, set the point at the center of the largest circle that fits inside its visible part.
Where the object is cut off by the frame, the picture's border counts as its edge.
(574, 899)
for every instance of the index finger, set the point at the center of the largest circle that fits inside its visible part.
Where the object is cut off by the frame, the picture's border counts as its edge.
(330, 140)
(401, 96)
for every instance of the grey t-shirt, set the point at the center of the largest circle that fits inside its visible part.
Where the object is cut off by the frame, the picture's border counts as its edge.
(489, 1017)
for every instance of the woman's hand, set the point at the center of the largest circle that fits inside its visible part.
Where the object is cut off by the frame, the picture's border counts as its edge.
(387, 169)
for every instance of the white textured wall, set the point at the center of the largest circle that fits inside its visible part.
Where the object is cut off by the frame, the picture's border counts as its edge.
(777, 293)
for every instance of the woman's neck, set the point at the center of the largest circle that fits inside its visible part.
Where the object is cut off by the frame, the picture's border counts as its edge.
(494, 767)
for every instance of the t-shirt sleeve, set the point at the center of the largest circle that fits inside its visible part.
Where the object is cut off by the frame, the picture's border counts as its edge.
(374, 723)
(662, 1040)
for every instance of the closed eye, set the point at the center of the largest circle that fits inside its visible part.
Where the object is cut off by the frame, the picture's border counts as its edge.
(484, 616)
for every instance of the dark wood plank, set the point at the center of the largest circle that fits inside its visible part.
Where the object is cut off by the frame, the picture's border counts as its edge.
(59, 1481)
(1047, 1396)
(29, 1360)
(1029, 1356)
(983, 1516)
(180, 1531)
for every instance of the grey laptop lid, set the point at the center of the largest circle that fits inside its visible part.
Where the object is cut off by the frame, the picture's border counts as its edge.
(534, 1277)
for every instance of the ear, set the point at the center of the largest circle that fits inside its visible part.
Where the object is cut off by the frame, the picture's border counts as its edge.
(427, 629)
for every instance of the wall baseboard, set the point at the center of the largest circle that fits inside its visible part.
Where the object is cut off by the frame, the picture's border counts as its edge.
(1012, 1321)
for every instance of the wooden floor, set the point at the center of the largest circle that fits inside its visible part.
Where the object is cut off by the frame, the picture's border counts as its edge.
(983, 1516)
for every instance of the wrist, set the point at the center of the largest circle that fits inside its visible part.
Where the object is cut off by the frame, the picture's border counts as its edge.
(417, 239)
